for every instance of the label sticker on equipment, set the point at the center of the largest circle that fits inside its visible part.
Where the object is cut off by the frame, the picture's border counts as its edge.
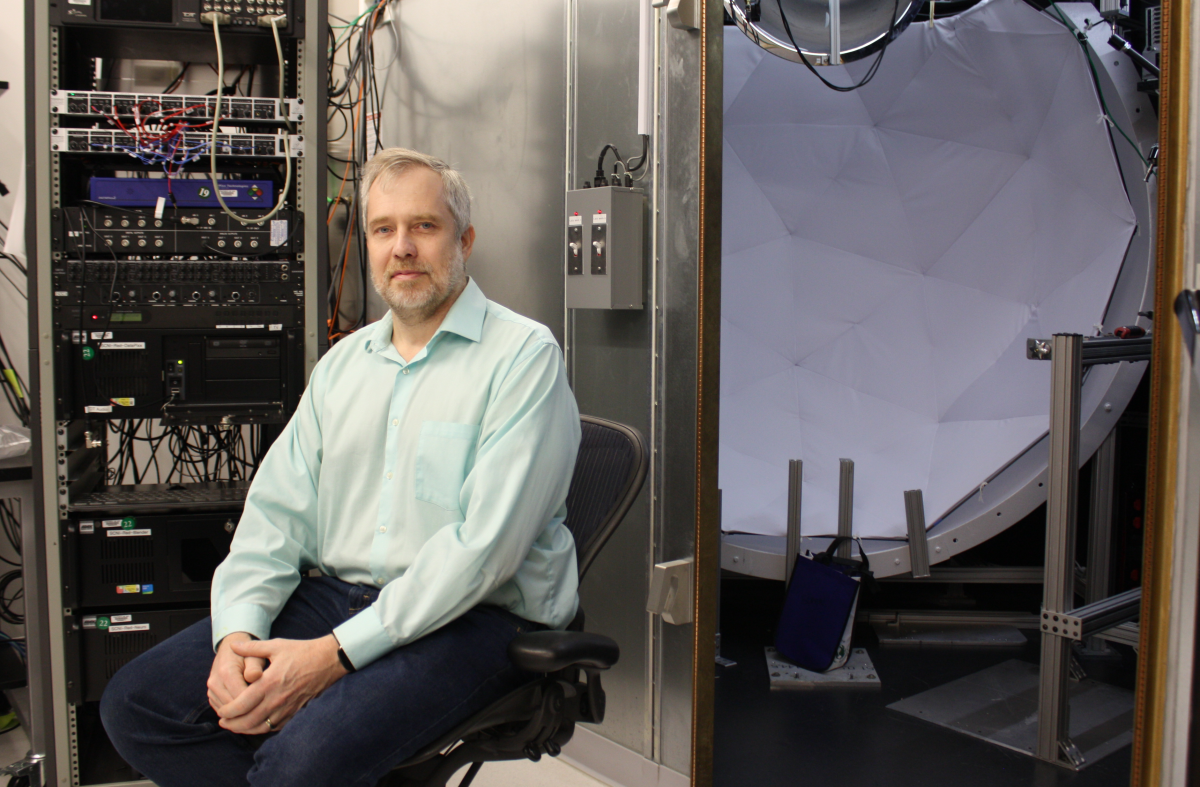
(129, 627)
(79, 2)
(122, 618)
(101, 622)
(87, 527)
(124, 589)
(107, 408)
(600, 218)
(228, 193)
(61, 293)
(120, 345)
(220, 327)
(159, 205)
(128, 523)
(259, 327)
(110, 522)
(102, 335)
(89, 621)
(147, 589)
(276, 326)
(279, 231)
(575, 221)
(113, 533)
(124, 401)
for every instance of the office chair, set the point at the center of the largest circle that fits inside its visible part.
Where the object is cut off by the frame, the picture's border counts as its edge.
(539, 718)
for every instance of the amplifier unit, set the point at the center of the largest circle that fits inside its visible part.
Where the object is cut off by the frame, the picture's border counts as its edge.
(102, 232)
(236, 373)
(188, 193)
(244, 15)
(172, 282)
(100, 644)
(119, 561)
(171, 107)
(187, 146)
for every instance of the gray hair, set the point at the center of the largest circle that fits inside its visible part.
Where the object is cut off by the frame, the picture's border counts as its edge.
(393, 161)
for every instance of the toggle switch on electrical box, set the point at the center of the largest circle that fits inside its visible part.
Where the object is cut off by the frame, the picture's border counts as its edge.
(604, 248)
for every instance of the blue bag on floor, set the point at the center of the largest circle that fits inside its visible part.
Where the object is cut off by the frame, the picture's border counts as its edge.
(818, 613)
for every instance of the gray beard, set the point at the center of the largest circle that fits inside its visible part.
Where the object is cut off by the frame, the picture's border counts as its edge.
(412, 306)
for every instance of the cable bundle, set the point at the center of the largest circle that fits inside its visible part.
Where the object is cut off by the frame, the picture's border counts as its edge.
(353, 100)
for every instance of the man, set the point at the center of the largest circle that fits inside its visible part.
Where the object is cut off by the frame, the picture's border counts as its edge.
(425, 475)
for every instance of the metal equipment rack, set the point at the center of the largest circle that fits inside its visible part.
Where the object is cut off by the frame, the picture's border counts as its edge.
(70, 449)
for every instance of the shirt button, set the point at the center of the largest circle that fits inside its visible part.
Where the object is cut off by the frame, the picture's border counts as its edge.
(389, 475)
(379, 580)
(383, 529)
(406, 371)
(395, 422)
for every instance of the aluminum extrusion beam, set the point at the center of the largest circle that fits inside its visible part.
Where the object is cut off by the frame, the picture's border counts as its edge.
(918, 543)
(1099, 554)
(1053, 743)
(1095, 618)
(983, 575)
(795, 481)
(845, 504)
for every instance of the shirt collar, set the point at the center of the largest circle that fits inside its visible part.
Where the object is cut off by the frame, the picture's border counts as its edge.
(465, 318)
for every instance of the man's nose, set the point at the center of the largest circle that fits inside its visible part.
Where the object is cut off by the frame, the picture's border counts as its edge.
(402, 245)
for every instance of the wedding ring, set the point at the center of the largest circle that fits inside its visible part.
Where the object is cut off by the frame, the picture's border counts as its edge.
(270, 726)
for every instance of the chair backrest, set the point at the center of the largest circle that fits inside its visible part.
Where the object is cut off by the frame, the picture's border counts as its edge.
(609, 473)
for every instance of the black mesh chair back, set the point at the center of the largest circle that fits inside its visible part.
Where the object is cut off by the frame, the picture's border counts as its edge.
(540, 717)
(609, 472)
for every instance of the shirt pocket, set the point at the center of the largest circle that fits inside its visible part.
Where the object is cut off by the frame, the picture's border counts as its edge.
(444, 453)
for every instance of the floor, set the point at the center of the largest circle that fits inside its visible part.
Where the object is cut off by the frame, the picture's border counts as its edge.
(547, 773)
(789, 738)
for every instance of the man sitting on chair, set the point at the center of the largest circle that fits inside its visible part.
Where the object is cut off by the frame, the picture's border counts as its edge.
(425, 476)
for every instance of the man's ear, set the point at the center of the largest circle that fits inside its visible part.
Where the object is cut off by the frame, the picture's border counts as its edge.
(468, 242)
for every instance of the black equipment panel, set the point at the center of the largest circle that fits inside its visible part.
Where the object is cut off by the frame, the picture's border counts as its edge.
(188, 231)
(228, 376)
(135, 560)
(176, 14)
(100, 644)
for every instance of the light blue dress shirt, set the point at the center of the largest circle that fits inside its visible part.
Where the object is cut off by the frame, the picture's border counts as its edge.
(442, 481)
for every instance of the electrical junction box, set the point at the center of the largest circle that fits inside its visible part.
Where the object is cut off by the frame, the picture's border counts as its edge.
(604, 248)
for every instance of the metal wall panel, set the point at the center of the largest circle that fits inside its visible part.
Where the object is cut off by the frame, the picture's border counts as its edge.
(610, 356)
(483, 86)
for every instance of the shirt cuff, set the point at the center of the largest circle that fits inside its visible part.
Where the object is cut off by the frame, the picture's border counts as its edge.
(364, 638)
(249, 618)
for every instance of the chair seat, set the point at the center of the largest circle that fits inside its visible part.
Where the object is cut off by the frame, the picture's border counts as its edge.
(551, 651)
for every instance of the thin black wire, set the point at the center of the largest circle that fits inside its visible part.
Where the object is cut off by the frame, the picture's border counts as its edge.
(870, 72)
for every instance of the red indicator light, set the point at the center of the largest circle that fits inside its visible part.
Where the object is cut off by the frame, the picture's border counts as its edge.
(95, 316)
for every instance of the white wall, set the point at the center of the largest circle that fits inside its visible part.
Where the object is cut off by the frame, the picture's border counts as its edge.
(12, 142)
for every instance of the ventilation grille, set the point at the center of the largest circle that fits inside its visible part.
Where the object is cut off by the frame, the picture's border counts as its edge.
(1154, 29)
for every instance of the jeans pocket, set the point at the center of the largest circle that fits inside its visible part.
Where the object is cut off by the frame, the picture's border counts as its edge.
(444, 452)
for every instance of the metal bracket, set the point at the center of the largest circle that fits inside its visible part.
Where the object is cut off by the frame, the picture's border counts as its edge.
(918, 540)
(671, 591)
(683, 14)
(30, 766)
(1060, 624)
(1070, 752)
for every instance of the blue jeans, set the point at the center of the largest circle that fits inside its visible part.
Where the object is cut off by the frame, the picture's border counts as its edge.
(156, 709)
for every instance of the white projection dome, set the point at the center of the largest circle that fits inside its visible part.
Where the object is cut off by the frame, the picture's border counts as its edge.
(887, 252)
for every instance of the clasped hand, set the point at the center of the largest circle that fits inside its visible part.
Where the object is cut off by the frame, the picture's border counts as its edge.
(252, 681)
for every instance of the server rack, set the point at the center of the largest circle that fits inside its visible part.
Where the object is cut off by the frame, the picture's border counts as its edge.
(171, 310)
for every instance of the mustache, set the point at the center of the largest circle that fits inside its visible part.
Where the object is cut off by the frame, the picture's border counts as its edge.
(392, 270)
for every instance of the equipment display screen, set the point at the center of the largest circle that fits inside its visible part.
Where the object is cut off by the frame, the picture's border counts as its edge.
(137, 10)
(126, 317)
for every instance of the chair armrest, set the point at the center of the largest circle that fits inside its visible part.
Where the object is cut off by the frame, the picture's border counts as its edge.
(551, 651)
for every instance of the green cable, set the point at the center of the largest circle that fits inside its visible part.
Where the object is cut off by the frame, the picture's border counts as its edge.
(1096, 79)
